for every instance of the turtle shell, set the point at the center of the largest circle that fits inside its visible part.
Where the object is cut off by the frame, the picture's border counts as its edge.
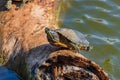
(74, 36)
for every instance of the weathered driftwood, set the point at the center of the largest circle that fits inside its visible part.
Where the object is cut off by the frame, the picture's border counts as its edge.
(26, 50)
(67, 65)
(81, 62)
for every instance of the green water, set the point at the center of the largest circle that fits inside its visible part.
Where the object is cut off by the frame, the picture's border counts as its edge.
(99, 20)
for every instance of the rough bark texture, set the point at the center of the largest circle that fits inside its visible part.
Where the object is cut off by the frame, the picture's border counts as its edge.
(25, 48)
(67, 65)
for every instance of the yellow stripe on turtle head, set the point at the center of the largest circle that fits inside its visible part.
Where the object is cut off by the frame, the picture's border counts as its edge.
(60, 44)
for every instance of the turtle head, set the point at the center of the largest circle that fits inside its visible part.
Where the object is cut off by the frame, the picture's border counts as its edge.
(47, 30)
(52, 35)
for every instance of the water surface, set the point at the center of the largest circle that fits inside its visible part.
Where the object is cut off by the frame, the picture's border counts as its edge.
(99, 20)
(7, 74)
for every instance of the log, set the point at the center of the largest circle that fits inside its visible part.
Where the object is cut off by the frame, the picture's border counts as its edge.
(25, 48)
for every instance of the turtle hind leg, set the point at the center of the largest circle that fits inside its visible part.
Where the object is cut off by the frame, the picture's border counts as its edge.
(75, 48)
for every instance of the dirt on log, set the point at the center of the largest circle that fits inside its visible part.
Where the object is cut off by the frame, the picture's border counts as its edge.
(25, 49)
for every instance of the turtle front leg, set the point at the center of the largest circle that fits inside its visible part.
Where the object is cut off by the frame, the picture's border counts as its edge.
(8, 4)
(75, 48)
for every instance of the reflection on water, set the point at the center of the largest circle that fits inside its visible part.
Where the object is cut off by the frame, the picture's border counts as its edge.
(99, 20)
(102, 21)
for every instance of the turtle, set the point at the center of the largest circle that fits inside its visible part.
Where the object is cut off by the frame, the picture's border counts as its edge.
(67, 38)
(9, 3)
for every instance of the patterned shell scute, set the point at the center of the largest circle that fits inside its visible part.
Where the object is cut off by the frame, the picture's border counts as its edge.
(74, 36)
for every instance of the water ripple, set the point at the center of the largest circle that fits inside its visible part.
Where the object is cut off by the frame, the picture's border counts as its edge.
(79, 20)
(98, 20)
(106, 39)
(102, 0)
(113, 4)
(103, 9)
(116, 15)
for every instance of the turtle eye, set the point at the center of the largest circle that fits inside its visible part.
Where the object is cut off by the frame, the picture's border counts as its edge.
(54, 35)
(52, 32)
